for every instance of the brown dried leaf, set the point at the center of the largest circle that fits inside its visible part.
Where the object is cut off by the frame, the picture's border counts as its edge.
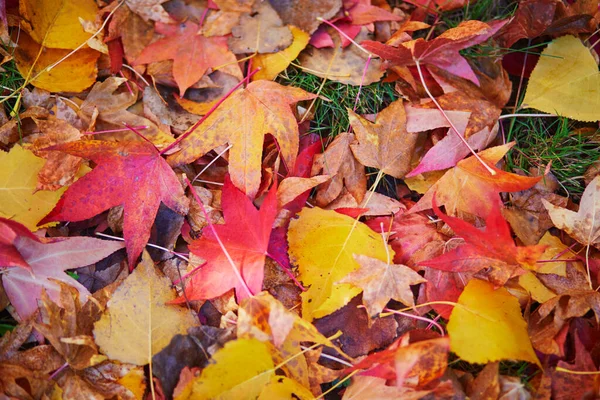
(260, 32)
(384, 144)
(339, 162)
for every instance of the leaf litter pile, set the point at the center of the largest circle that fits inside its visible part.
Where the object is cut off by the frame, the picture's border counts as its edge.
(177, 222)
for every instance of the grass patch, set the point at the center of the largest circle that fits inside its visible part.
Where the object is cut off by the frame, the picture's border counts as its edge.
(10, 81)
(544, 140)
(482, 10)
(330, 109)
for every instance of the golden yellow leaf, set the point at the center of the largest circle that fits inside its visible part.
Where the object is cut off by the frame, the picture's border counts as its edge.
(556, 250)
(488, 326)
(322, 244)
(565, 81)
(55, 23)
(272, 64)
(137, 323)
(18, 180)
(538, 291)
(264, 318)
(423, 182)
(73, 74)
(240, 370)
(281, 387)
(135, 382)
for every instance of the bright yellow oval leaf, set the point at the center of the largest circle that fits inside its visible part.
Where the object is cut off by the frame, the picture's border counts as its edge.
(55, 23)
(19, 200)
(281, 387)
(565, 81)
(73, 74)
(322, 244)
(488, 326)
(272, 64)
(137, 323)
(240, 370)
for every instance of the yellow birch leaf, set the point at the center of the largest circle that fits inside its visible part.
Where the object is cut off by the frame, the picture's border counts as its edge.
(135, 382)
(19, 200)
(73, 74)
(555, 250)
(137, 323)
(488, 326)
(322, 244)
(55, 23)
(281, 387)
(538, 291)
(565, 81)
(240, 370)
(272, 64)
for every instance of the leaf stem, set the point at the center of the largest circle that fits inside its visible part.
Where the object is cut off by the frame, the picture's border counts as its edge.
(453, 128)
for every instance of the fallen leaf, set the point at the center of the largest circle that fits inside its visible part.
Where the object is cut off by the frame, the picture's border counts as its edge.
(55, 24)
(381, 282)
(264, 318)
(583, 225)
(492, 249)
(272, 64)
(73, 74)
(360, 334)
(193, 54)
(441, 51)
(242, 120)
(565, 81)
(150, 10)
(294, 186)
(260, 32)
(137, 309)
(322, 244)
(241, 369)
(132, 174)
(66, 327)
(19, 199)
(344, 65)
(40, 264)
(339, 162)
(385, 144)
(304, 13)
(471, 188)
(576, 384)
(245, 236)
(487, 326)
(285, 388)
(106, 107)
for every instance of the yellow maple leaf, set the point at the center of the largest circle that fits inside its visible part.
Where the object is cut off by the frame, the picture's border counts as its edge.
(322, 244)
(138, 323)
(565, 81)
(487, 325)
(72, 74)
(272, 64)
(19, 199)
(55, 23)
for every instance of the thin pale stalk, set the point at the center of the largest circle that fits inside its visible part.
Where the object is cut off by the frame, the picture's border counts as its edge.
(417, 317)
(453, 128)
(236, 271)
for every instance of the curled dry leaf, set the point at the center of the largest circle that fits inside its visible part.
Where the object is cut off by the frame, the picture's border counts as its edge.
(339, 162)
(583, 225)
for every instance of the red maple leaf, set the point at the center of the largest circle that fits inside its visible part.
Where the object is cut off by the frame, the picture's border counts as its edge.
(30, 265)
(441, 51)
(192, 54)
(491, 247)
(240, 243)
(132, 174)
